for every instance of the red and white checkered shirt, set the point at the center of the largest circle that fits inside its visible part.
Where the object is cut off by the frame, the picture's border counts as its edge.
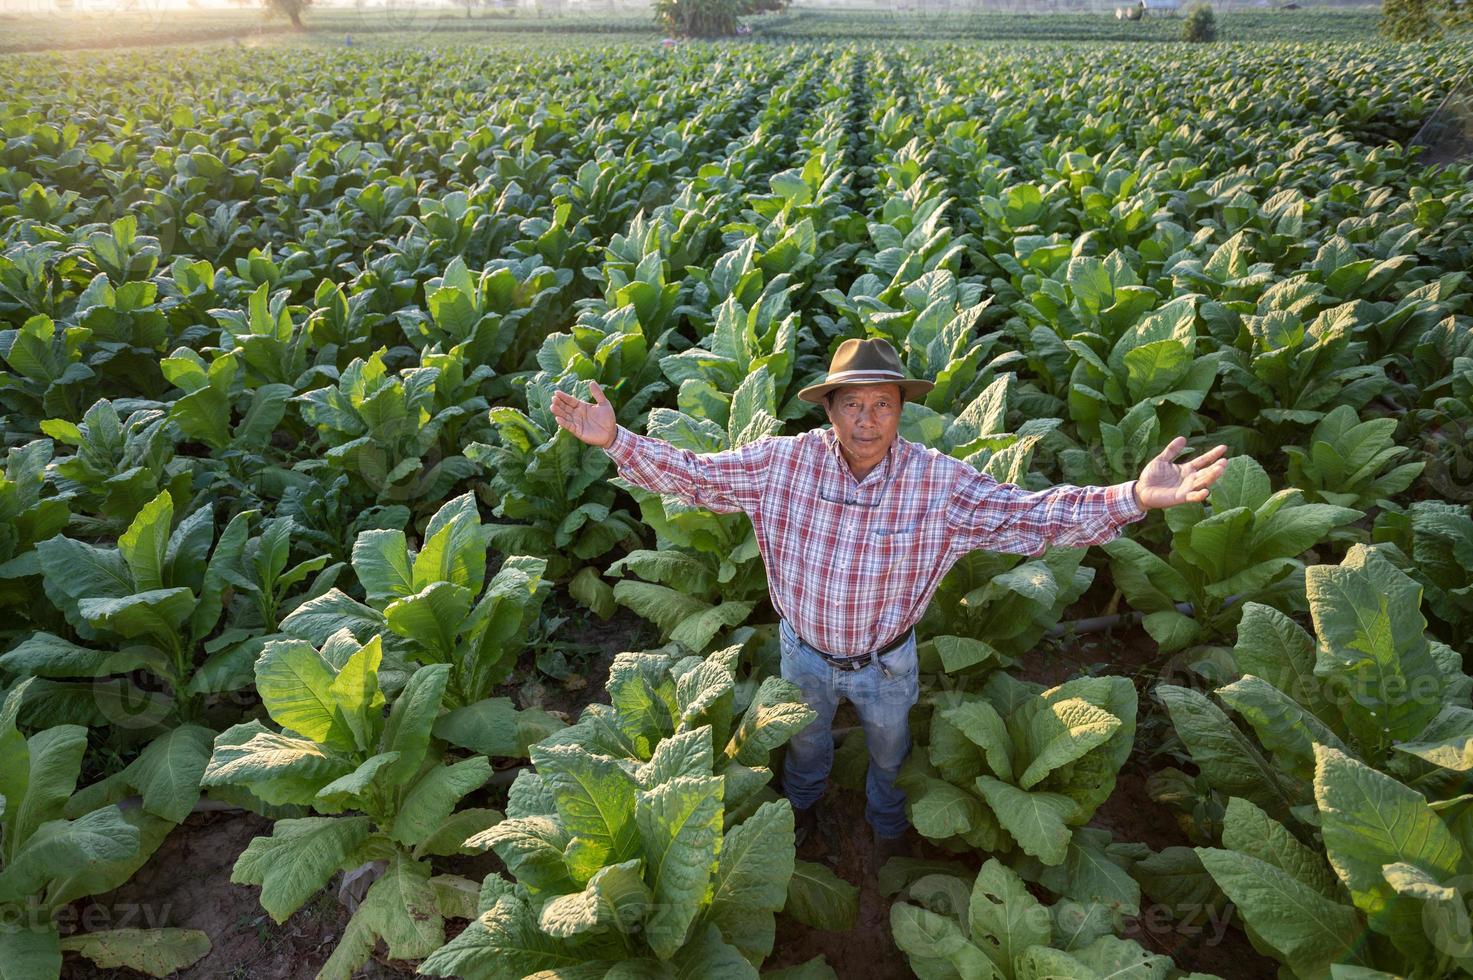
(849, 577)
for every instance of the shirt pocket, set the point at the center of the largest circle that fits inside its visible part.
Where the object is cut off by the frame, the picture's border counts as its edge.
(889, 546)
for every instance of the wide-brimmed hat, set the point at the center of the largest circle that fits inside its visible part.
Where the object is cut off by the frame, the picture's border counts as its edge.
(866, 362)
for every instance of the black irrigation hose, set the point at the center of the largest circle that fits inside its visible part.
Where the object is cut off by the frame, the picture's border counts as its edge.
(1098, 624)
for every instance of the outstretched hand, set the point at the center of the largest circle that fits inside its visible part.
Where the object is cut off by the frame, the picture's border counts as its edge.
(1164, 483)
(594, 424)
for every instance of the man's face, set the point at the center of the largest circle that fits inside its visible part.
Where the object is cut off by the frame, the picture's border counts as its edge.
(866, 419)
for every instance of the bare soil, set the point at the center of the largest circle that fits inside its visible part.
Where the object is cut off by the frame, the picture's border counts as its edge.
(843, 841)
(187, 884)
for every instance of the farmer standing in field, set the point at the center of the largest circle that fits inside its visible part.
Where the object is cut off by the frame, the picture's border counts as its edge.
(857, 527)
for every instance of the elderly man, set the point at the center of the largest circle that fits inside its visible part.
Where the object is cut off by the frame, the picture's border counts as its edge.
(857, 526)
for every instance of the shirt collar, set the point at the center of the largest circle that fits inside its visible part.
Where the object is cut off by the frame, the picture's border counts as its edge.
(888, 466)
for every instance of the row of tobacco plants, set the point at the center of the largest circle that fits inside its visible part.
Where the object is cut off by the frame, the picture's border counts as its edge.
(287, 516)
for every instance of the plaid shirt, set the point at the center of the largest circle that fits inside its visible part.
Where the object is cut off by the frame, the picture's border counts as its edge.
(853, 564)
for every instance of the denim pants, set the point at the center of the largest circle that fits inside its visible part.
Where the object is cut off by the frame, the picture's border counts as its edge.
(883, 704)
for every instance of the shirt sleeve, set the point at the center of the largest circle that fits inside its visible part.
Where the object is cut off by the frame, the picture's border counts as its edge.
(724, 482)
(983, 513)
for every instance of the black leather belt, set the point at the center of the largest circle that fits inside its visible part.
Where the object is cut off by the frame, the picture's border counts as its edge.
(862, 660)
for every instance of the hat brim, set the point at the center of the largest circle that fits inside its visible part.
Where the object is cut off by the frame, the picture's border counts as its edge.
(912, 387)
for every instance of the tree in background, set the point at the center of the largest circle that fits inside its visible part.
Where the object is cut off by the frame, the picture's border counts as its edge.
(1200, 25)
(1412, 20)
(289, 8)
(709, 18)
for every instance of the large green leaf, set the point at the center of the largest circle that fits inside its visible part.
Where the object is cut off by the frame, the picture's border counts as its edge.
(1305, 929)
(454, 547)
(1372, 640)
(1091, 875)
(146, 540)
(296, 686)
(505, 943)
(1062, 733)
(54, 762)
(960, 652)
(1243, 484)
(1044, 963)
(355, 692)
(59, 848)
(277, 767)
(297, 860)
(1444, 911)
(704, 695)
(346, 791)
(1293, 528)
(321, 616)
(706, 955)
(1272, 646)
(381, 562)
(412, 718)
(532, 848)
(156, 952)
(431, 617)
(1112, 956)
(1248, 829)
(29, 954)
(47, 655)
(488, 726)
(595, 800)
(686, 618)
(167, 773)
(99, 877)
(1446, 742)
(819, 898)
(430, 800)
(1286, 729)
(776, 713)
(680, 828)
(1036, 820)
(1004, 918)
(74, 570)
(1370, 820)
(157, 613)
(940, 810)
(979, 721)
(685, 754)
(616, 897)
(752, 872)
(1228, 759)
(937, 947)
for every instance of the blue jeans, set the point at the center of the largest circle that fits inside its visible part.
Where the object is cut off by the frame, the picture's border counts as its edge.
(883, 704)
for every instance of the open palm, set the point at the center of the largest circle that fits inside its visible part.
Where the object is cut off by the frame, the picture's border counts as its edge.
(594, 424)
(1164, 483)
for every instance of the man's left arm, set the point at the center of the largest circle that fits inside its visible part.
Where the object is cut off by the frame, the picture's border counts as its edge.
(983, 513)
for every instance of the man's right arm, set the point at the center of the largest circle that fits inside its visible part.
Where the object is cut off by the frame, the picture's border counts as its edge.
(724, 482)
